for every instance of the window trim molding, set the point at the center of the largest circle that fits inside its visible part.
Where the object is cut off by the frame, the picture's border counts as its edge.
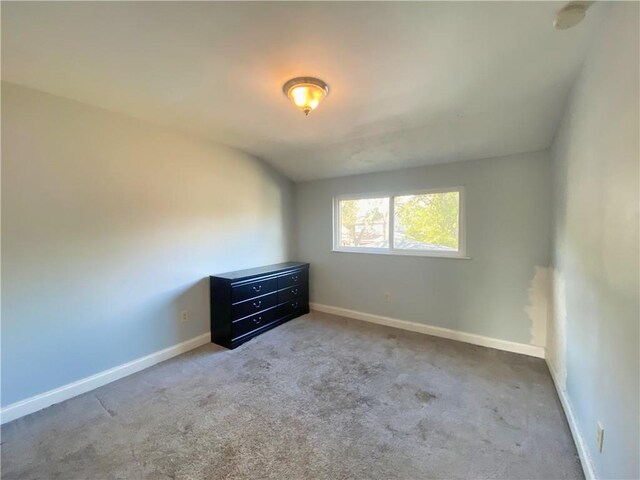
(461, 253)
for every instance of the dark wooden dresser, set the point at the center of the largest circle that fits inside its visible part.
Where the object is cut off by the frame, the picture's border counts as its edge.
(248, 302)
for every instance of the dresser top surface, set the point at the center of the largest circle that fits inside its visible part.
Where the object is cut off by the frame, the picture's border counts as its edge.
(257, 271)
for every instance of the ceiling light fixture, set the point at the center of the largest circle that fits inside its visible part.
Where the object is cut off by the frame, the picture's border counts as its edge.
(306, 93)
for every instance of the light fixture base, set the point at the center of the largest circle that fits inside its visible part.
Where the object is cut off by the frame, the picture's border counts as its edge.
(294, 82)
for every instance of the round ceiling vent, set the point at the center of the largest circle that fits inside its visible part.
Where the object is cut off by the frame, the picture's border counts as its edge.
(571, 15)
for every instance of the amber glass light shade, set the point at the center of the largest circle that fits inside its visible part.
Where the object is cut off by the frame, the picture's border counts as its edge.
(306, 93)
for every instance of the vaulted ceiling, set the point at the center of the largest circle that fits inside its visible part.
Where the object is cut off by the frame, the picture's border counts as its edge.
(411, 83)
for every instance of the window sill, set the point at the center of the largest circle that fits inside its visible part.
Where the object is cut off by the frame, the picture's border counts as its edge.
(397, 253)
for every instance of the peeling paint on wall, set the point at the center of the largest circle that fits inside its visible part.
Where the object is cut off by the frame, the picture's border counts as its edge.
(539, 307)
(557, 330)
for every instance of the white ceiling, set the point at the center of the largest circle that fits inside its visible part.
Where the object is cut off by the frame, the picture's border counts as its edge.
(411, 83)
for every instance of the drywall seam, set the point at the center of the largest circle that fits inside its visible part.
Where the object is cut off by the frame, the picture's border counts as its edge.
(531, 350)
(539, 305)
(46, 399)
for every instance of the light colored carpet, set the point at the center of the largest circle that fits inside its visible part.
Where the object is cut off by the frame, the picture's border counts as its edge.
(319, 397)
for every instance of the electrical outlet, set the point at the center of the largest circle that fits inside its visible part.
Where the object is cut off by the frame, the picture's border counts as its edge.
(184, 316)
(387, 296)
(599, 436)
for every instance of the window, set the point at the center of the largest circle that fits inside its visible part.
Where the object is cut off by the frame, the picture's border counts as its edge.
(418, 223)
(364, 223)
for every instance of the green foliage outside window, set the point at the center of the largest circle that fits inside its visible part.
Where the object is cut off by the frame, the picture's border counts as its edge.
(429, 219)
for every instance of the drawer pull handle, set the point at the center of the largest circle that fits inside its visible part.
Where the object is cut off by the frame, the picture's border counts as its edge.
(294, 278)
(294, 291)
(294, 304)
(257, 289)
(257, 305)
(257, 320)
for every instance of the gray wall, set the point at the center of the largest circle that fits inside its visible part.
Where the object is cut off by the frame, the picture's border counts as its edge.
(508, 203)
(593, 339)
(110, 228)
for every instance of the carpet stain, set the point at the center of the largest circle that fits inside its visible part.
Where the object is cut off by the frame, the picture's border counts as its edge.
(425, 397)
(257, 363)
(396, 433)
(423, 429)
(208, 400)
(503, 420)
(187, 429)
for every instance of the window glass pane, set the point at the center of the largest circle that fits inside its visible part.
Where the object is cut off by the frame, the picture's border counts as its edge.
(427, 222)
(364, 223)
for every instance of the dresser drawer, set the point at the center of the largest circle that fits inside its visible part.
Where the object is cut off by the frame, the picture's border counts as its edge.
(291, 292)
(253, 289)
(292, 279)
(253, 305)
(254, 322)
(292, 306)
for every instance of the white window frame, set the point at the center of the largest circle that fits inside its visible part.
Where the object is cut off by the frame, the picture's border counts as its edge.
(461, 253)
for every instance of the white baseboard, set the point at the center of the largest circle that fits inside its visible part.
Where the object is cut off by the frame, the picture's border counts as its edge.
(531, 350)
(581, 445)
(57, 395)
